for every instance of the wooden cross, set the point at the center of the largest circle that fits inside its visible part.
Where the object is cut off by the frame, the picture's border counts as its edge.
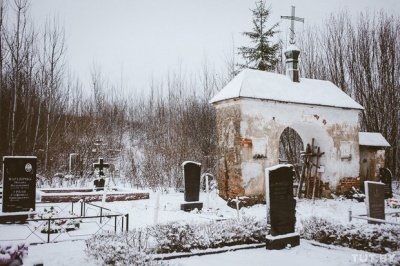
(101, 165)
(293, 18)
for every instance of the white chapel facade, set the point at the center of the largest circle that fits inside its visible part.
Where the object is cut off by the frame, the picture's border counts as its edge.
(254, 109)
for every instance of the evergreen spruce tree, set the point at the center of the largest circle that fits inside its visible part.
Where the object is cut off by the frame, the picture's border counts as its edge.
(262, 55)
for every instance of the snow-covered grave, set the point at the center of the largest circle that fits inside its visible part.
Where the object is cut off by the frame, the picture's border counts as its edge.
(89, 194)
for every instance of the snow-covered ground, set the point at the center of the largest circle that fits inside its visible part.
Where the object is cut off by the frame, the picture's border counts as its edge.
(144, 212)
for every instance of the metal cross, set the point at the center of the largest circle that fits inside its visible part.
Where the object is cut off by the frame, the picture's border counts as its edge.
(101, 165)
(293, 18)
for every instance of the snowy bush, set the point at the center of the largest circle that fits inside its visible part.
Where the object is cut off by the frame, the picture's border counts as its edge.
(367, 237)
(134, 247)
(120, 249)
(173, 237)
(57, 225)
(12, 253)
(233, 232)
(176, 237)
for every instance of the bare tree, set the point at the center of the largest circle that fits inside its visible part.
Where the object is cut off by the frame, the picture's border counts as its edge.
(363, 59)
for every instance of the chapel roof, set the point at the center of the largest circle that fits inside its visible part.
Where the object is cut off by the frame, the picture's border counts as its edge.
(264, 85)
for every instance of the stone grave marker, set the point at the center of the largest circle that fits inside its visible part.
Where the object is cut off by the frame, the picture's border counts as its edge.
(386, 178)
(375, 200)
(191, 177)
(281, 207)
(19, 183)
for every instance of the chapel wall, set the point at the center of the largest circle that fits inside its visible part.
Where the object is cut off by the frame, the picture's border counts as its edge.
(228, 116)
(335, 130)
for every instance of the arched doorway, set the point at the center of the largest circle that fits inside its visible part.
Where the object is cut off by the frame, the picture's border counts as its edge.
(290, 147)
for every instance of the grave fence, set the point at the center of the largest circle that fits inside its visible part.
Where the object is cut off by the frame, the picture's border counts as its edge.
(66, 226)
(365, 217)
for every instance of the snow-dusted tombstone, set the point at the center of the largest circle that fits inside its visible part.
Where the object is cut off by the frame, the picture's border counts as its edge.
(19, 183)
(281, 207)
(375, 200)
(386, 178)
(191, 177)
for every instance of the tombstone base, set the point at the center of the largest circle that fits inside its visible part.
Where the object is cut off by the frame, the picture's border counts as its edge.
(189, 206)
(15, 217)
(282, 241)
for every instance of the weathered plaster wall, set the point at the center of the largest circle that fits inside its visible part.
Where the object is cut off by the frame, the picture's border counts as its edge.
(335, 130)
(228, 116)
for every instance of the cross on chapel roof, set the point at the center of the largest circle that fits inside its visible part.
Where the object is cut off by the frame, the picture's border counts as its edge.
(101, 165)
(293, 18)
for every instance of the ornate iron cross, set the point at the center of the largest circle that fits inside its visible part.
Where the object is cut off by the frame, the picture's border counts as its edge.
(293, 18)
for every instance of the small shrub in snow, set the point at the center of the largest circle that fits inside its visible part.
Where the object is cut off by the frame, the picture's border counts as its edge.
(120, 249)
(57, 225)
(372, 238)
(173, 237)
(12, 253)
(236, 232)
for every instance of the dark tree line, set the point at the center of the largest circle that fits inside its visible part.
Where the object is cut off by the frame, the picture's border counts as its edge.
(175, 124)
(43, 112)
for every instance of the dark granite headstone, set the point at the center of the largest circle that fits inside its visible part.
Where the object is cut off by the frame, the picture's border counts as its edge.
(191, 175)
(375, 200)
(19, 183)
(281, 207)
(386, 178)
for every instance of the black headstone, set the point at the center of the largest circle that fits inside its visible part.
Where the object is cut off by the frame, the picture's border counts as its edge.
(281, 203)
(375, 200)
(191, 174)
(19, 183)
(281, 207)
(99, 184)
(386, 178)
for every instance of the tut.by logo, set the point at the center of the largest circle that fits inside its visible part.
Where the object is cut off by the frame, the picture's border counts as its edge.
(374, 258)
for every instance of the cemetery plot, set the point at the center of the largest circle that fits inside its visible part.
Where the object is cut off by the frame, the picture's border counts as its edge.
(58, 222)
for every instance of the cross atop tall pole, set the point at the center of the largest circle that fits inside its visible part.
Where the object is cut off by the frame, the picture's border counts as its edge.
(293, 18)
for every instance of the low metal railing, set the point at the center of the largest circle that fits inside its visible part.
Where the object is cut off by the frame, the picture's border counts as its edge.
(365, 217)
(41, 229)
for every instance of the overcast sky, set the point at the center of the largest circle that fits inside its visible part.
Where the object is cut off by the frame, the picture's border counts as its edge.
(137, 40)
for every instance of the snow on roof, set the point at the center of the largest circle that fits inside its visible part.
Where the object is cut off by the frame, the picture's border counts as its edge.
(186, 162)
(271, 86)
(372, 139)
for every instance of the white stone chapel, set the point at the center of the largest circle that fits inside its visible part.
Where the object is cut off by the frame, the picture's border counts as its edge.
(255, 107)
